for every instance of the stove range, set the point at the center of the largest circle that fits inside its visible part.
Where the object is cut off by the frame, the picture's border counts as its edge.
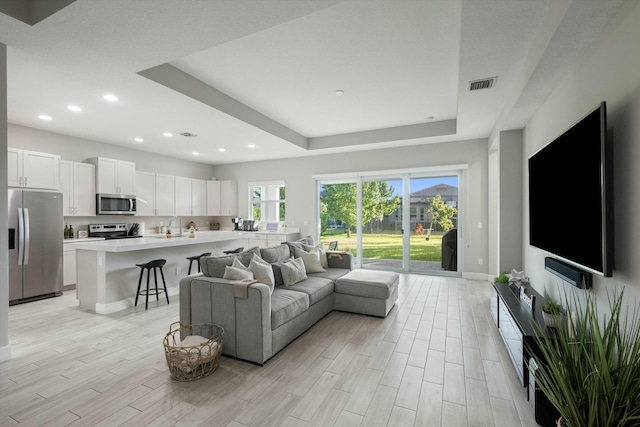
(113, 231)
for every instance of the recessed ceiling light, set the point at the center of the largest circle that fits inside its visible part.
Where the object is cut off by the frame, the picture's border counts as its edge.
(74, 108)
(167, 134)
(138, 140)
(222, 150)
(251, 145)
(44, 117)
(110, 98)
(339, 92)
(195, 153)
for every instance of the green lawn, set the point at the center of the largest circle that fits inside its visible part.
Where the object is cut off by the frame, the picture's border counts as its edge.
(387, 246)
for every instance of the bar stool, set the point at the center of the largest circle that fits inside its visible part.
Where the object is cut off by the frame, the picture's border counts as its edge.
(151, 265)
(234, 251)
(196, 258)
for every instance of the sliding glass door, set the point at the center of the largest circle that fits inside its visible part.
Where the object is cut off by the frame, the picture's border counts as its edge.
(404, 221)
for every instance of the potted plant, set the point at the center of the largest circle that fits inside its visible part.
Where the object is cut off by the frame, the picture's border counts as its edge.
(551, 313)
(590, 371)
(502, 278)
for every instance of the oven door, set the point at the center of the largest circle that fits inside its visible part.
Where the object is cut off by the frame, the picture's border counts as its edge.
(115, 204)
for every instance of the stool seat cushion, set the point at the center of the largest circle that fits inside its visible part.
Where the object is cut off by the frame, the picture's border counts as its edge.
(367, 283)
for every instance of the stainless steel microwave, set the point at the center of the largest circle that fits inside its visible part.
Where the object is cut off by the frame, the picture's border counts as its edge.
(115, 204)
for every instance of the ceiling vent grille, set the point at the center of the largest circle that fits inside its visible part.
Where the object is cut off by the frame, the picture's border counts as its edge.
(482, 84)
(188, 134)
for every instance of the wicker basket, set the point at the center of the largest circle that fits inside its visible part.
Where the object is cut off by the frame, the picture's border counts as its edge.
(193, 351)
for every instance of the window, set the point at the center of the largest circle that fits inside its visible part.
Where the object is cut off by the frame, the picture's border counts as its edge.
(267, 201)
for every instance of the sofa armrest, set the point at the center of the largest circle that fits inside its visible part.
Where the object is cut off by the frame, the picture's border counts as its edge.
(337, 259)
(246, 322)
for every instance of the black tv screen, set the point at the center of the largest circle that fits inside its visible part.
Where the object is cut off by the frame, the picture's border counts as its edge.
(570, 196)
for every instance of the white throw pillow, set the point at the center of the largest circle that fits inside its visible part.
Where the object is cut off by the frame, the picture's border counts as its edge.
(311, 260)
(263, 272)
(293, 272)
(323, 253)
(235, 273)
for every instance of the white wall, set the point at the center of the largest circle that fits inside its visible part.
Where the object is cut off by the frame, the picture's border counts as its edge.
(301, 188)
(609, 71)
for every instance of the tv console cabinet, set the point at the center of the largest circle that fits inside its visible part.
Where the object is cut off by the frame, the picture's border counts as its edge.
(518, 325)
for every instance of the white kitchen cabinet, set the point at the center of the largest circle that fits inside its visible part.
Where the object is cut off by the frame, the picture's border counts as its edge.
(145, 193)
(32, 169)
(222, 198)
(183, 196)
(191, 197)
(77, 183)
(198, 197)
(114, 176)
(69, 265)
(165, 195)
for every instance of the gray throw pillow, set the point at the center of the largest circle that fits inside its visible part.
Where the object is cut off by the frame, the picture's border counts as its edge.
(245, 257)
(277, 271)
(235, 273)
(262, 272)
(311, 260)
(293, 272)
(276, 253)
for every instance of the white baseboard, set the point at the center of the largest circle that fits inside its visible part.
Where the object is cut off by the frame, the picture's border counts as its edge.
(123, 304)
(5, 353)
(476, 276)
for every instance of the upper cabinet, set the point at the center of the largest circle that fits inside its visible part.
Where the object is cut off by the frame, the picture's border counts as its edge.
(145, 193)
(77, 183)
(191, 196)
(165, 195)
(114, 176)
(222, 198)
(31, 169)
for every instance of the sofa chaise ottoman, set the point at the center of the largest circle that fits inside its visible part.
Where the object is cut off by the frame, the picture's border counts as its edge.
(370, 292)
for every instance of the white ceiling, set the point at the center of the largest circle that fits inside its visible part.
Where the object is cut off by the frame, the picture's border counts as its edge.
(265, 72)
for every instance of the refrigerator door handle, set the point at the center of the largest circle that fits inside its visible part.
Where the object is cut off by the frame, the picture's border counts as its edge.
(20, 236)
(26, 236)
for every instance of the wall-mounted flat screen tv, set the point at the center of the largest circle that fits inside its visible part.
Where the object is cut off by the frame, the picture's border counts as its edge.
(570, 196)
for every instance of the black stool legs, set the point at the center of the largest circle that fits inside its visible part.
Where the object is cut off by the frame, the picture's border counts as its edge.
(196, 258)
(152, 265)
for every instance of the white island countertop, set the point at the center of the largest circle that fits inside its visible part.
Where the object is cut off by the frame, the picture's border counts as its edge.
(156, 241)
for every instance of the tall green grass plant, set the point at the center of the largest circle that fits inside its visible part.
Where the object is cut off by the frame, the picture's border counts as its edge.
(591, 372)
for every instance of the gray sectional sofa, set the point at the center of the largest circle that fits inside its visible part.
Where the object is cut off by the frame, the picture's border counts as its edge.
(258, 320)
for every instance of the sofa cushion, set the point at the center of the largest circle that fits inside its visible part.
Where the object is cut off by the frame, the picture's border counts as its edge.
(275, 253)
(293, 271)
(316, 287)
(311, 260)
(286, 305)
(367, 283)
(331, 273)
(213, 266)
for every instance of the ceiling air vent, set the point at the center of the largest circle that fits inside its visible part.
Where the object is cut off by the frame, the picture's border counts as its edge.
(188, 134)
(482, 84)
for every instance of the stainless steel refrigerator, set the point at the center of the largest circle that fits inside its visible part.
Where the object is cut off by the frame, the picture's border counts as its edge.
(35, 245)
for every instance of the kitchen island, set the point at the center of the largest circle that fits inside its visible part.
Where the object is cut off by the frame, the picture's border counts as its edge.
(107, 276)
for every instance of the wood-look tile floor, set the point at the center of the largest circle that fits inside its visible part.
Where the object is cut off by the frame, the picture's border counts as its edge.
(437, 359)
